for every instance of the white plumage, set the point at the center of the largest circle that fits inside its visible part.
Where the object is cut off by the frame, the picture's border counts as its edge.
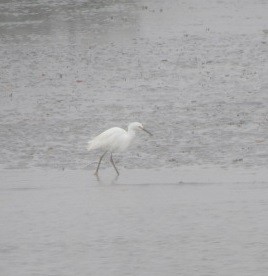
(114, 139)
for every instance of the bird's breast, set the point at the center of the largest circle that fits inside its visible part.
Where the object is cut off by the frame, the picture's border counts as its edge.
(123, 144)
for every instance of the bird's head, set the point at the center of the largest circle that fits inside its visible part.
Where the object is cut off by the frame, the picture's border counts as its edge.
(136, 125)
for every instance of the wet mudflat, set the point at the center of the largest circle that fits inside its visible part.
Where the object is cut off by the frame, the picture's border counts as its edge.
(193, 72)
(192, 199)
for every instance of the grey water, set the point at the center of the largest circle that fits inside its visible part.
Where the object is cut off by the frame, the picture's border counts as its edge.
(192, 199)
(71, 223)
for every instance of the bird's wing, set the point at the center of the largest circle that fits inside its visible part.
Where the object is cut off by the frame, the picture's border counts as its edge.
(106, 139)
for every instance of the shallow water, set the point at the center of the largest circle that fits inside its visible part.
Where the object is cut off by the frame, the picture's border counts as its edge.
(70, 223)
(192, 199)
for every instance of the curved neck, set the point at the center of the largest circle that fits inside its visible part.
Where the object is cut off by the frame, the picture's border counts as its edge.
(131, 131)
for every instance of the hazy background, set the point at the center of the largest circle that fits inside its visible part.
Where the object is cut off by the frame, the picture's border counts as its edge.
(193, 72)
(192, 199)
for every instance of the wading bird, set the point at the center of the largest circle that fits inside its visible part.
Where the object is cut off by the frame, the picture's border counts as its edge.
(114, 139)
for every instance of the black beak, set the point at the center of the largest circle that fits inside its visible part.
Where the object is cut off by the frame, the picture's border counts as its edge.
(146, 131)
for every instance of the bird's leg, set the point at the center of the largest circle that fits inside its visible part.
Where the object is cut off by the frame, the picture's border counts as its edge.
(112, 161)
(96, 172)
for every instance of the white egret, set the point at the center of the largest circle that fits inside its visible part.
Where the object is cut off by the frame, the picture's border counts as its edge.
(114, 139)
